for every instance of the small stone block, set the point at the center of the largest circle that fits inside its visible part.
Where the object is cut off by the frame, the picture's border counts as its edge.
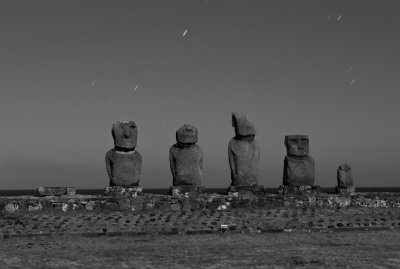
(302, 189)
(185, 190)
(56, 191)
(345, 191)
(119, 191)
(240, 189)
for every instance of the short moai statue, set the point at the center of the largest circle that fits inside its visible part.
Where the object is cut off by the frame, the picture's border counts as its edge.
(345, 180)
(124, 162)
(186, 161)
(298, 170)
(244, 156)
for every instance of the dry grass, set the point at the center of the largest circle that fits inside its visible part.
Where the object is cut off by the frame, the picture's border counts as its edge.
(301, 250)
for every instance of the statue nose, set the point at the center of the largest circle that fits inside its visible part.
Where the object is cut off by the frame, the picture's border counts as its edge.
(126, 133)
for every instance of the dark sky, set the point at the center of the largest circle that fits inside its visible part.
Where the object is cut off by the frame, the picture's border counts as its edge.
(69, 69)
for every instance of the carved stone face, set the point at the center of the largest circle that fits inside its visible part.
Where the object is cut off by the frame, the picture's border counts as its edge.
(125, 134)
(242, 126)
(187, 134)
(297, 145)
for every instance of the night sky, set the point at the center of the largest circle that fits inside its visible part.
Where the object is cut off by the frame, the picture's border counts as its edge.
(70, 69)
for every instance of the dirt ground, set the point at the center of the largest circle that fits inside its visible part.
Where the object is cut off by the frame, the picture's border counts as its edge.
(355, 249)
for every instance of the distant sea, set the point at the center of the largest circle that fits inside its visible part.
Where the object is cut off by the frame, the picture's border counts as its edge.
(209, 190)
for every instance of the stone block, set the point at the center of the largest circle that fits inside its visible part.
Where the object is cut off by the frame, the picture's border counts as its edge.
(124, 203)
(185, 190)
(56, 191)
(345, 191)
(239, 190)
(119, 191)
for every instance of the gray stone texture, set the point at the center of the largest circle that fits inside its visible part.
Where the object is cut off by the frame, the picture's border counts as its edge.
(243, 153)
(118, 191)
(187, 134)
(186, 158)
(298, 171)
(297, 145)
(56, 191)
(125, 134)
(242, 126)
(345, 176)
(124, 168)
(123, 162)
(299, 168)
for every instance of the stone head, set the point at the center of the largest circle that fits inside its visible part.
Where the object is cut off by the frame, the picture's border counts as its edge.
(297, 145)
(345, 175)
(124, 134)
(242, 126)
(187, 134)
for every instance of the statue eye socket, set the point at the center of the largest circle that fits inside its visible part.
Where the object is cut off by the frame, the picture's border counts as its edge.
(292, 140)
(305, 140)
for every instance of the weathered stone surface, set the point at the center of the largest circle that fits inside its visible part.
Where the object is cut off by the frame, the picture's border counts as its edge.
(301, 189)
(243, 153)
(185, 190)
(119, 191)
(298, 171)
(56, 191)
(344, 176)
(240, 190)
(124, 162)
(187, 134)
(125, 135)
(124, 168)
(186, 158)
(345, 191)
(297, 145)
(242, 126)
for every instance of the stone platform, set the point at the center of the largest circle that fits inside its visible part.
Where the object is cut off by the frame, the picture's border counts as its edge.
(202, 213)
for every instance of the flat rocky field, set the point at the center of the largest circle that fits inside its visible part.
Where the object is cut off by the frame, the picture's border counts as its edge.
(347, 249)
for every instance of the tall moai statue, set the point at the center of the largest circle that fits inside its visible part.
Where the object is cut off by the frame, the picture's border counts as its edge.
(345, 180)
(298, 170)
(124, 162)
(186, 161)
(244, 156)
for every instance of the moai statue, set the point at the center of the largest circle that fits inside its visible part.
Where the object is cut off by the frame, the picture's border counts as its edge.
(186, 161)
(345, 180)
(298, 170)
(244, 156)
(124, 162)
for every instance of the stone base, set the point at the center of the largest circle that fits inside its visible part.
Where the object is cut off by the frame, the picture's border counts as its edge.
(302, 189)
(118, 191)
(345, 191)
(56, 191)
(185, 190)
(240, 189)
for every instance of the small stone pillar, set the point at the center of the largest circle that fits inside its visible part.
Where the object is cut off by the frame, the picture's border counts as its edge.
(298, 170)
(345, 180)
(124, 162)
(186, 162)
(244, 156)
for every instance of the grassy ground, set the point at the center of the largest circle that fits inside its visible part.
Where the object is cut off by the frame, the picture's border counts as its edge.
(355, 249)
